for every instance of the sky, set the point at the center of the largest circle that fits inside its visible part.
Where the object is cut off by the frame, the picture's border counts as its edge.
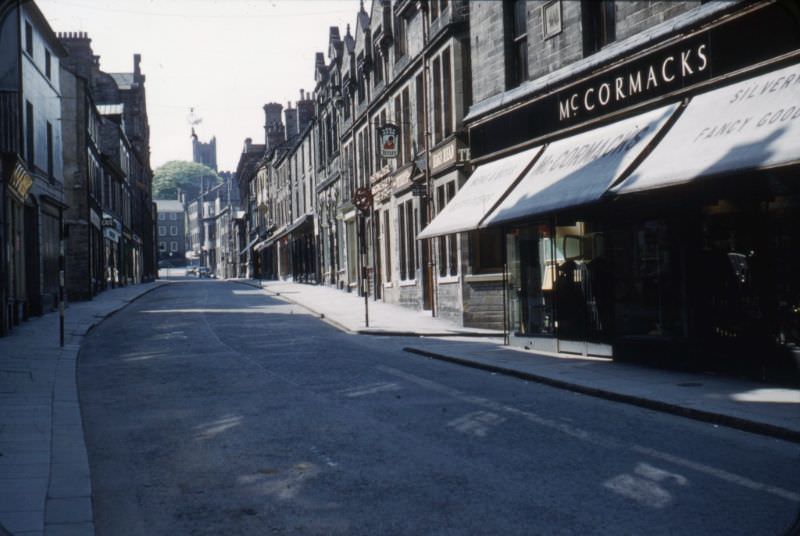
(224, 58)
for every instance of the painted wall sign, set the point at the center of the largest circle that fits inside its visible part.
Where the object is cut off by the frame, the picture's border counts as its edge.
(444, 156)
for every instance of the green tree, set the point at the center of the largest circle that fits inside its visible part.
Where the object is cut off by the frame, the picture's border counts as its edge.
(184, 175)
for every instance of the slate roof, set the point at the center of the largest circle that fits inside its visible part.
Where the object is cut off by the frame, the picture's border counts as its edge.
(123, 80)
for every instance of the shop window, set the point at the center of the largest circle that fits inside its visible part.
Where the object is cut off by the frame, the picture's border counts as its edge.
(516, 33)
(531, 261)
(486, 251)
(599, 24)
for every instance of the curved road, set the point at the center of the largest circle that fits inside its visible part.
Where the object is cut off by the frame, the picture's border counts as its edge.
(212, 408)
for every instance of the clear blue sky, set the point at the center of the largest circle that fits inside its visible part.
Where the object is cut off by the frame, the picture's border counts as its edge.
(225, 58)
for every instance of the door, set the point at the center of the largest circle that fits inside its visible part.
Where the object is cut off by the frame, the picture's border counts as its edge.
(583, 289)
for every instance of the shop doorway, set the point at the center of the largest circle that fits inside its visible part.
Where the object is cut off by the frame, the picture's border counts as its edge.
(584, 290)
(559, 290)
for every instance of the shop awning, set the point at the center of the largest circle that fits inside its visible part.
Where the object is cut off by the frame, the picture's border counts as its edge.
(480, 194)
(753, 124)
(248, 246)
(578, 170)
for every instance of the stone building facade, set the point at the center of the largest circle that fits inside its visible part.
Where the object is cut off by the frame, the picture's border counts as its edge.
(32, 191)
(584, 104)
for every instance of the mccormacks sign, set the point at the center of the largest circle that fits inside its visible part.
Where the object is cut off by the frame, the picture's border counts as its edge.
(640, 80)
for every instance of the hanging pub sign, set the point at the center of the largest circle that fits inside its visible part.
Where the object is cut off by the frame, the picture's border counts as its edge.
(388, 136)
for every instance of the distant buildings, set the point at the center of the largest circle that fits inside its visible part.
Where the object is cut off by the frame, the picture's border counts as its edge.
(74, 163)
(171, 232)
(209, 227)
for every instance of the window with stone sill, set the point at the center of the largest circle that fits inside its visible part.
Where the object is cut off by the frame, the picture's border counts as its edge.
(516, 36)
(400, 46)
(486, 251)
(598, 19)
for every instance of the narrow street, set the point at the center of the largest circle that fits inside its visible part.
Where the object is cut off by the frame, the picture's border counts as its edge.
(212, 408)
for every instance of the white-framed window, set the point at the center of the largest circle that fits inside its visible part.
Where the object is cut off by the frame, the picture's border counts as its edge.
(162, 230)
(406, 218)
(162, 246)
(161, 216)
(173, 246)
(173, 230)
(173, 216)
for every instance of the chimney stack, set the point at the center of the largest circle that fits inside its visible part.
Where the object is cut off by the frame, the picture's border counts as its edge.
(290, 115)
(273, 127)
(305, 110)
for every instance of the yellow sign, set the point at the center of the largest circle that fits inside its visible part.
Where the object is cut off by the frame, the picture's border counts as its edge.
(21, 181)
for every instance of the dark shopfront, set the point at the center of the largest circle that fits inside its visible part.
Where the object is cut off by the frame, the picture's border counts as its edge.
(689, 256)
(702, 277)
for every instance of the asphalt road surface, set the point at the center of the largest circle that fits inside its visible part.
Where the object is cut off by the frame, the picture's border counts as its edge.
(212, 408)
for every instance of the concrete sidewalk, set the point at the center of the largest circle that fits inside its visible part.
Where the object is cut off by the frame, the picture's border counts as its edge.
(45, 486)
(346, 311)
(747, 405)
